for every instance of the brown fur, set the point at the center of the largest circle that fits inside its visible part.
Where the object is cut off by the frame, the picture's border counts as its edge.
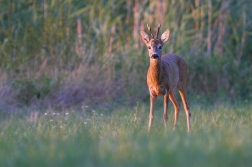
(165, 74)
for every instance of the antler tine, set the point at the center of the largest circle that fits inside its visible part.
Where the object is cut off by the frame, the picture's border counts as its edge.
(149, 28)
(158, 30)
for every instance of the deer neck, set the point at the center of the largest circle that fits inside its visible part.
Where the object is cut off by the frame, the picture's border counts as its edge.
(155, 72)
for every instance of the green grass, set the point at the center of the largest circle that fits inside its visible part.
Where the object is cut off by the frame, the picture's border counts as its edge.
(221, 136)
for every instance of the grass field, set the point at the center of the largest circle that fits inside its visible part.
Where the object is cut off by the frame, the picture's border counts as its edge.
(221, 136)
(56, 56)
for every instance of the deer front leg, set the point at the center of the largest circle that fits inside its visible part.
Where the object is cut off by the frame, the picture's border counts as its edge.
(152, 105)
(166, 102)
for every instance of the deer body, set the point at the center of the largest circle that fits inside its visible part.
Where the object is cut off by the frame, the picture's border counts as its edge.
(165, 74)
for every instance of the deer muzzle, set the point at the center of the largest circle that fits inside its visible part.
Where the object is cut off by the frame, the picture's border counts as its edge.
(154, 56)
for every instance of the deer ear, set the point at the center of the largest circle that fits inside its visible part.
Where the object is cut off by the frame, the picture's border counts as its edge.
(165, 36)
(144, 36)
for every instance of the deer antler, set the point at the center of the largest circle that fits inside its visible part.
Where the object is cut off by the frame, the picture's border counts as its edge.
(158, 30)
(149, 28)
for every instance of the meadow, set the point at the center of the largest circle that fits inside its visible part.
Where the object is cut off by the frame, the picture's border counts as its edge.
(73, 83)
(221, 136)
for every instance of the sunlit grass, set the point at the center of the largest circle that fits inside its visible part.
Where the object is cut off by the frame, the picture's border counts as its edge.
(221, 136)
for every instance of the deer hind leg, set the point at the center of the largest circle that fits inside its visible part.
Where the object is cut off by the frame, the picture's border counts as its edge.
(186, 107)
(152, 106)
(176, 107)
(166, 102)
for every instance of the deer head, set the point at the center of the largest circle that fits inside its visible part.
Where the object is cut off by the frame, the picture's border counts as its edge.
(155, 44)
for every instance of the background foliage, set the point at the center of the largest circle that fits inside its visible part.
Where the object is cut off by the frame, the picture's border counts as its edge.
(77, 52)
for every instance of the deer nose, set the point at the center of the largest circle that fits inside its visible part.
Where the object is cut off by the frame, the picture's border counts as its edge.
(154, 56)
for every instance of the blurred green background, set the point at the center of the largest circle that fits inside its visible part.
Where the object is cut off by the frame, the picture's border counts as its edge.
(61, 53)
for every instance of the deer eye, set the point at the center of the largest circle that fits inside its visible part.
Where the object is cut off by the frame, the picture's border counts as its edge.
(149, 47)
(160, 47)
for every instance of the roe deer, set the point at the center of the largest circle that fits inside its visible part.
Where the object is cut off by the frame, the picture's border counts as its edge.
(165, 74)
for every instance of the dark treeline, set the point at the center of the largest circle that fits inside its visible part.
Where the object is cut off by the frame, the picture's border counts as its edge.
(88, 52)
